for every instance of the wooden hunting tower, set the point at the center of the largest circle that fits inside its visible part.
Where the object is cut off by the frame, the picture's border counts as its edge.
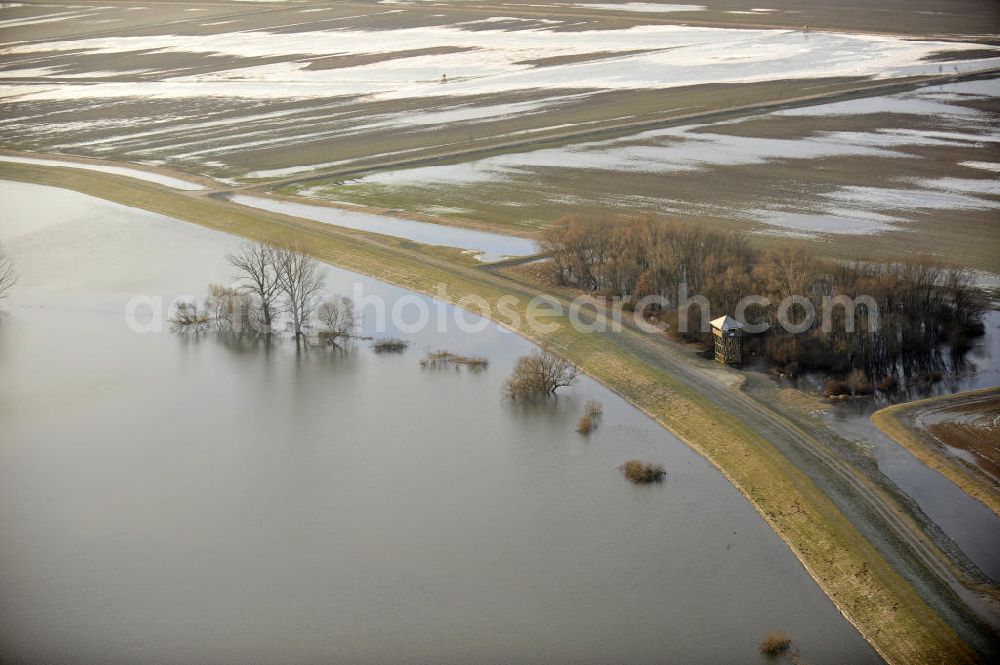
(728, 334)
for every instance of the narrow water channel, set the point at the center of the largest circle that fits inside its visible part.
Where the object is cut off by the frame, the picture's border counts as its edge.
(487, 246)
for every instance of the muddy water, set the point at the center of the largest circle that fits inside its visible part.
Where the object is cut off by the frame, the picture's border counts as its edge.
(172, 499)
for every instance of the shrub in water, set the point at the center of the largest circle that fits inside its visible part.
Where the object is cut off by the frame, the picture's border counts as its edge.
(775, 642)
(642, 472)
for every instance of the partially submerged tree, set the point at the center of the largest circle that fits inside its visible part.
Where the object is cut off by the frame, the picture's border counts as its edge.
(337, 317)
(301, 280)
(229, 308)
(257, 275)
(188, 317)
(538, 375)
(8, 276)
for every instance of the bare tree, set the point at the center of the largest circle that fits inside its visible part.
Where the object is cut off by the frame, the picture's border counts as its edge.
(187, 317)
(301, 280)
(258, 275)
(8, 276)
(539, 374)
(230, 308)
(337, 316)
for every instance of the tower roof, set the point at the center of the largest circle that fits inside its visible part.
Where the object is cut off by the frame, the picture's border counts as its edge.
(726, 323)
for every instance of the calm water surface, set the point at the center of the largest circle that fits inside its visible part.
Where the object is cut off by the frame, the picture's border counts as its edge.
(172, 499)
(487, 246)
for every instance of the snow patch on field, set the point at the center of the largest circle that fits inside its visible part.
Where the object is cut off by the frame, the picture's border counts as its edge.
(835, 222)
(649, 7)
(986, 166)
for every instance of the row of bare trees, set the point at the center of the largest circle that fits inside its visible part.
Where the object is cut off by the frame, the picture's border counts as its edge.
(8, 276)
(270, 281)
(918, 304)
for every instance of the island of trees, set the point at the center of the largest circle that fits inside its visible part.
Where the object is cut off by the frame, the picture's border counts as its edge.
(271, 280)
(921, 307)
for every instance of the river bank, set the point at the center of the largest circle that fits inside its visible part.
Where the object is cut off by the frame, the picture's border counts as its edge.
(901, 422)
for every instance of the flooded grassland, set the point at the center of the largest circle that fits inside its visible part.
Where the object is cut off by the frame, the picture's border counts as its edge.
(288, 91)
(907, 174)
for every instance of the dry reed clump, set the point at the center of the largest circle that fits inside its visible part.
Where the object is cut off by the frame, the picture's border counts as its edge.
(593, 408)
(775, 642)
(836, 388)
(588, 422)
(887, 383)
(389, 345)
(643, 472)
(858, 382)
(444, 358)
(855, 384)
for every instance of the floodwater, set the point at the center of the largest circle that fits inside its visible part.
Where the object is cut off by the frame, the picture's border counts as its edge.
(139, 174)
(487, 246)
(646, 56)
(177, 499)
(686, 157)
(973, 527)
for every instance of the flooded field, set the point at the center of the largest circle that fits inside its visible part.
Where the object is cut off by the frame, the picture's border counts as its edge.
(181, 499)
(214, 498)
(917, 169)
(292, 89)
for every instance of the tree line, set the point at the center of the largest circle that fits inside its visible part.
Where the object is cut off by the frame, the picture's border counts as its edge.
(270, 281)
(912, 307)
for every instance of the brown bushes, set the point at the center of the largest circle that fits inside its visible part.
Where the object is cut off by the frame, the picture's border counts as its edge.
(592, 412)
(642, 472)
(836, 388)
(887, 383)
(593, 408)
(858, 382)
(447, 358)
(389, 345)
(855, 384)
(775, 642)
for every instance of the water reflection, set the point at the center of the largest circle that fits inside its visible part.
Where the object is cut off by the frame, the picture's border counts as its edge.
(973, 527)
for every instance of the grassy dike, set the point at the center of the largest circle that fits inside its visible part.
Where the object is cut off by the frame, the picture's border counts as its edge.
(863, 585)
(897, 422)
